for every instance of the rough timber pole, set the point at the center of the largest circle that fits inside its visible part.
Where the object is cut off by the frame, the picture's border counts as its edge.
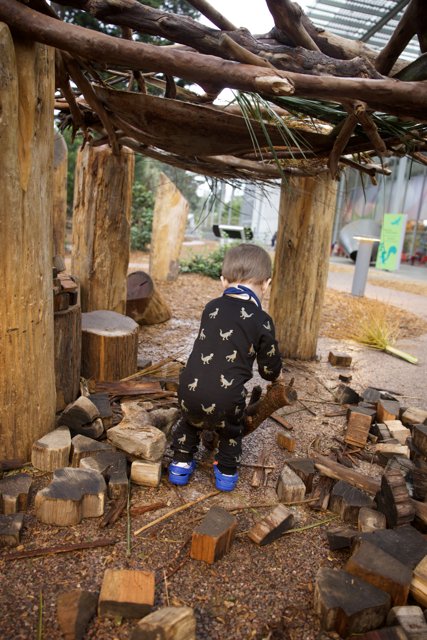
(59, 205)
(101, 226)
(27, 376)
(306, 213)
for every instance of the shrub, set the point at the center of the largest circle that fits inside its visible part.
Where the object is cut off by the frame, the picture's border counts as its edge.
(208, 265)
(142, 217)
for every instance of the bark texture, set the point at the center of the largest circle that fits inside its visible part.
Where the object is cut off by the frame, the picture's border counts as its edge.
(68, 348)
(59, 204)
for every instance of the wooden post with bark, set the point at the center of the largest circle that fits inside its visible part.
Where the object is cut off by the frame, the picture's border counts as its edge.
(306, 213)
(101, 226)
(59, 198)
(27, 376)
(169, 222)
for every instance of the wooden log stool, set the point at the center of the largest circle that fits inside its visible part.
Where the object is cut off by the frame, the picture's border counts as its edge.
(144, 303)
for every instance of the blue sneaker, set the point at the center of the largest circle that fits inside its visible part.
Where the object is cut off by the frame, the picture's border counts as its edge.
(225, 482)
(180, 472)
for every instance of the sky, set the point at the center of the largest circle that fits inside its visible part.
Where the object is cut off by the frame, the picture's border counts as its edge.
(252, 14)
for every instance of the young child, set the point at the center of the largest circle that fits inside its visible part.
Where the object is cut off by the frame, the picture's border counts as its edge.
(234, 331)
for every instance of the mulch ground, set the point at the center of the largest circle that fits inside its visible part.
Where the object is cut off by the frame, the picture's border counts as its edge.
(264, 593)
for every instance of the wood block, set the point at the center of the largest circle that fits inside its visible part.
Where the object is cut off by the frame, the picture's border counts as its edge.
(81, 417)
(286, 442)
(102, 403)
(398, 431)
(370, 520)
(10, 529)
(272, 526)
(146, 474)
(405, 543)
(127, 593)
(346, 500)
(84, 447)
(380, 430)
(418, 586)
(387, 410)
(338, 359)
(419, 437)
(290, 488)
(113, 467)
(74, 610)
(347, 604)
(386, 633)
(139, 440)
(411, 620)
(61, 301)
(14, 492)
(340, 537)
(393, 499)
(304, 468)
(413, 415)
(322, 494)
(72, 495)
(168, 623)
(387, 450)
(371, 395)
(213, 537)
(52, 451)
(358, 426)
(346, 395)
(372, 564)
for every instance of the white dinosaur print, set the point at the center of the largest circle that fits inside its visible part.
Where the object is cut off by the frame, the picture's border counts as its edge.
(197, 424)
(236, 411)
(238, 459)
(244, 314)
(232, 356)
(209, 410)
(207, 359)
(225, 383)
(192, 386)
(221, 425)
(267, 325)
(272, 351)
(232, 442)
(225, 335)
(267, 371)
(214, 313)
(202, 334)
(183, 407)
(251, 351)
(182, 439)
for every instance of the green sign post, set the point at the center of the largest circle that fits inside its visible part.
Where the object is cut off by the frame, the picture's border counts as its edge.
(391, 242)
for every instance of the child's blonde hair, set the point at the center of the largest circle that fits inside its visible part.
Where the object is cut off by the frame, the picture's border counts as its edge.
(246, 263)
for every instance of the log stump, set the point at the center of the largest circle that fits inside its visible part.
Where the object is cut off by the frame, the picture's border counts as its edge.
(109, 345)
(144, 303)
(68, 351)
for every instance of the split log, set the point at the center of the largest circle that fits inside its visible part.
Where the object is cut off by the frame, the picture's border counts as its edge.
(84, 447)
(139, 440)
(52, 451)
(410, 619)
(100, 258)
(278, 395)
(169, 222)
(393, 499)
(346, 395)
(398, 431)
(290, 488)
(286, 442)
(109, 345)
(114, 511)
(14, 492)
(144, 303)
(81, 418)
(74, 610)
(272, 526)
(322, 493)
(68, 342)
(346, 500)
(414, 415)
(168, 623)
(372, 564)
(381, 432)
(72, 495)
(419, 438)
(337, 359)
(146, 474)
(405, 543)
(304, 468)
(387, 410)
(340, 537)
(370, 520)
(102, 403)
(418, 586)
(337, 471)
(126, 593)
(358, 426)
(259, 473)
(387, 450)
(112, 465)
(27, 378)
(213, 538)
(10, 529)
(347, 604)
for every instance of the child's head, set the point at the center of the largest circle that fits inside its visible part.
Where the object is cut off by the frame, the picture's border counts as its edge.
(246, 263)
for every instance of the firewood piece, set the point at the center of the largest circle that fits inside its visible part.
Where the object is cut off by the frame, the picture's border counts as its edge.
(322, 493)
(304, 468)
(381, 431)
(102, 403)
(418, 586)
(346, 500)
(387, 410)
(358, 426)
(337, 359)
(380, 569)
(84, 447)
(14, 492)
(278, 395)
(340, 537)
(114, 511)
(272, 526)
(333, 469)
(142, 441)
(164, 419)
(259, 473)
(346, 395)
(61, 301)
(81, 417)
(146, 474)
(281, 420)
(168, 623)
(109, 345)
(371, 395)
(347, 604)
(411, 619)
(386, 633)
(72, 495)
(67, 353)
(10, 529)
(414, 415)
(144, 303)
(74, 610)
(290, 488)
(419, 436)
(405, 543)
(387, 450)
(398, 431)
(127, 593)
(418, 473)
(52, 451)
(112, 465)
(370, 520)
(213, 537)
(286, 442)
(393, 499)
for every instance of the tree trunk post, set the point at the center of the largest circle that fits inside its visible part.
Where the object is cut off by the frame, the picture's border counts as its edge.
(59, 205)
(169, 222)
(27, 376)
(101, 226)
(306, 214)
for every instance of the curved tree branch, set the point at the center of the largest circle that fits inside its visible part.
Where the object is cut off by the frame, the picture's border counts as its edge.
(287, 17)
(212, 14)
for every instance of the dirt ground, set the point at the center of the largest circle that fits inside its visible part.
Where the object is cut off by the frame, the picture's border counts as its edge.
(260, 593)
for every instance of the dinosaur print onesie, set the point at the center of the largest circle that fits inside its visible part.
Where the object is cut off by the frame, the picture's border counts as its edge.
(234, 332)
